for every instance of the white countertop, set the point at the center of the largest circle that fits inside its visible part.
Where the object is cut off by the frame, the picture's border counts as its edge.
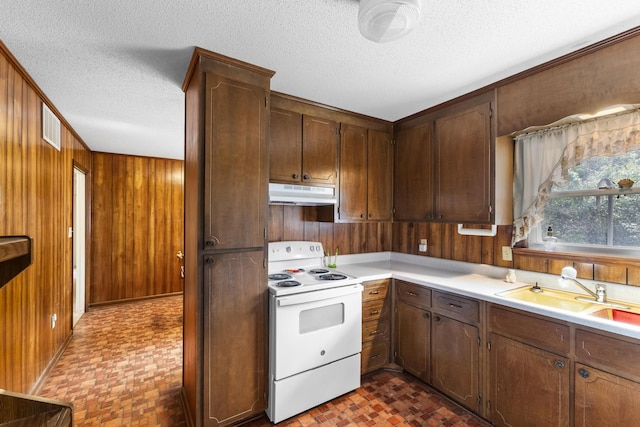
(482, 282)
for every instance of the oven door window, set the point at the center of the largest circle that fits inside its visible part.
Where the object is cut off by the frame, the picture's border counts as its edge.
(319, 318)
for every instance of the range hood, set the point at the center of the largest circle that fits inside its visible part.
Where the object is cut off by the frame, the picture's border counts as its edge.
(301, 195)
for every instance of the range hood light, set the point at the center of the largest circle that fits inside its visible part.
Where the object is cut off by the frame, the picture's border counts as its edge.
(301, 195)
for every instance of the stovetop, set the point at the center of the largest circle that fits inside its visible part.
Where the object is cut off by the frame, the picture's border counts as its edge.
(298, 266)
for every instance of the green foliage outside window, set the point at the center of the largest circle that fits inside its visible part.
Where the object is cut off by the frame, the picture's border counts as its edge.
(596, 218)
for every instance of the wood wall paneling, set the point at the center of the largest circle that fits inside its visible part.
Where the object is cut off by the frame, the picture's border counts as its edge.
(137, 223)
(36, 196)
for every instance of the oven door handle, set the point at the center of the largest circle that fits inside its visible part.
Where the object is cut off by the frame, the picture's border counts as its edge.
(318, 295)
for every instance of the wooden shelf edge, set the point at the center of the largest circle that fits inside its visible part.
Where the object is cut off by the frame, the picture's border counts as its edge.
(13, 247)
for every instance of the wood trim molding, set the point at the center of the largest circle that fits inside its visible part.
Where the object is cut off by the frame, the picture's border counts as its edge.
(629, 34)
(578, 258)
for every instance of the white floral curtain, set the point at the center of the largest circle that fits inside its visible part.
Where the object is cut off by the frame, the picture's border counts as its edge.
(543, 156)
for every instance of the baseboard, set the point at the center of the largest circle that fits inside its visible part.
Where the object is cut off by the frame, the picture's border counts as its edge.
(138, 299)
(47, 370)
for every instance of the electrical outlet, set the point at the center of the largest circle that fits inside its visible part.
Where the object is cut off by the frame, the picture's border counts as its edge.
(507, 255)
(54, 319)
(423, 245)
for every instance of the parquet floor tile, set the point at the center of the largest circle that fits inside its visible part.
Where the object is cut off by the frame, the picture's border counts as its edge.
(123, 367)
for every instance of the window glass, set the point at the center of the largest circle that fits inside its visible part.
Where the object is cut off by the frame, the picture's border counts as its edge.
(592, 213)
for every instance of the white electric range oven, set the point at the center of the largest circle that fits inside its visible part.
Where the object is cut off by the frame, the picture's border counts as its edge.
(315, 329)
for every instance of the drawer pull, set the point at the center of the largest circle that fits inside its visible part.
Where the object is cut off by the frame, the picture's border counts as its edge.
(374, 292)
(583, 373)
(411, 294)
(559, 364)
(375, 355)
(374, 312)
(376, 332)
(452, 305)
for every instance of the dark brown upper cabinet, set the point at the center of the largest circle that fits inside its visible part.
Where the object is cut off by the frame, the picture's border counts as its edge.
(450, 168)
(365, 174)
(303, 149)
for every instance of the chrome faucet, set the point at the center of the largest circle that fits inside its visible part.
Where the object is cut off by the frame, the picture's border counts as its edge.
(570, 273)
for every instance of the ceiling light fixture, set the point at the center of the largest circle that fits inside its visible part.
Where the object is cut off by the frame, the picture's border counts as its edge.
(386, 20)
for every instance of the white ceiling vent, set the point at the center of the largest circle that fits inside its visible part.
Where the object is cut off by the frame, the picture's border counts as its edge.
(386, 20)
(50, 127)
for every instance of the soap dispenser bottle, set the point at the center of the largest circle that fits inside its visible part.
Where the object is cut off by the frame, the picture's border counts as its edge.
(550, 241)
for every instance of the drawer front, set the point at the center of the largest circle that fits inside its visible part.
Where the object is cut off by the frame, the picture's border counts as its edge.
(613, 355)
(545, 334)
(375, 309)
(374, 356)
(375, 290)
(376, 330)
(456, 307)
(415, 295)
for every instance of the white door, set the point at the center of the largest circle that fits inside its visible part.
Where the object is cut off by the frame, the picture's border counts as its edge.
(79, 228)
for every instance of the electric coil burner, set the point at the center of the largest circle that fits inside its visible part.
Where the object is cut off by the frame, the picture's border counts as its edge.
(315, 329)
(288, 284)
(280, 276)
(332, 276)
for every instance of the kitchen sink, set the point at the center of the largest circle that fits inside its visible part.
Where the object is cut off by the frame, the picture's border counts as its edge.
(618, 315)
(549, 298)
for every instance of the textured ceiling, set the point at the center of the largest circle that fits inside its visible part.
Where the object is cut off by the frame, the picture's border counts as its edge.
(114, 68)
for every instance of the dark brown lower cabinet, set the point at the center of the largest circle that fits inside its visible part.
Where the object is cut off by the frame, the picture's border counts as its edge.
(528, 386)
(235, 347)
(376, 325)
(413, 340)
(455, 360)
(604, 399)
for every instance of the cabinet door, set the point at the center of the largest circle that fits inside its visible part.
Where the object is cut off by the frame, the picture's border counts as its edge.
(379, 176)
(603, 399)
(319, 150)
(235, 305)
(455, 360)
(462, 162)
(235, 164)
(413, 182)
(413, 340)
(353, 173)
(285, 146)
(527, 386)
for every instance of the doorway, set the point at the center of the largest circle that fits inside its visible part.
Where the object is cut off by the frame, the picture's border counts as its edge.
(79, 245)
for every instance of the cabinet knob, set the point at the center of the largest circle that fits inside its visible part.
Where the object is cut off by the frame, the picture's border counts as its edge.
(440, 216)
(210, 261)
(210, 243)
(306, 177)
(295, 176)
(425, 315)
(583, 373)
(427, 216)
(370, 215)
(559, 364)
(362, 216)
(437, 318)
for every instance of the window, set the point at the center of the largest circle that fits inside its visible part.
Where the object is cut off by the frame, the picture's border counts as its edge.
(559, 170)
(592, 213)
